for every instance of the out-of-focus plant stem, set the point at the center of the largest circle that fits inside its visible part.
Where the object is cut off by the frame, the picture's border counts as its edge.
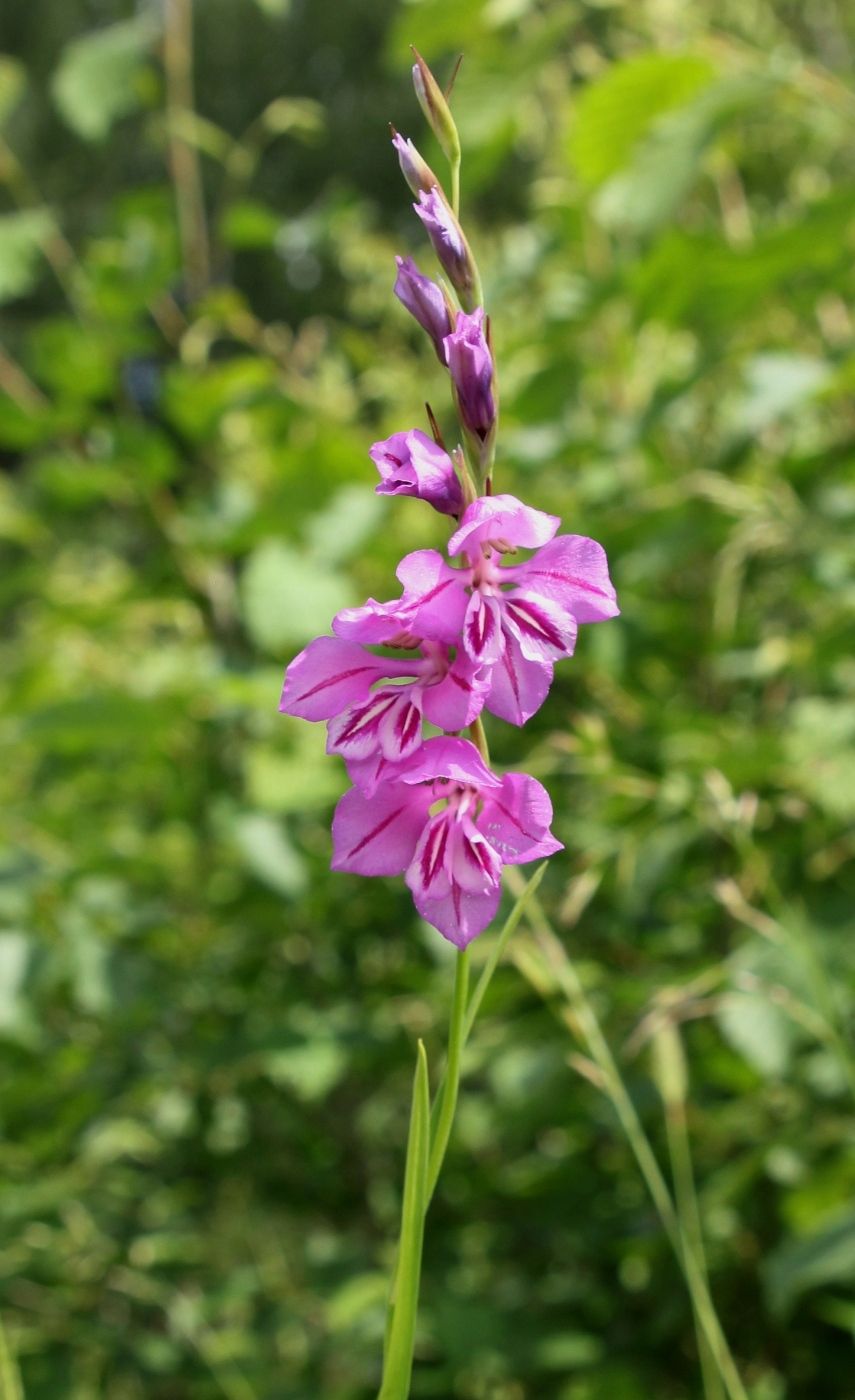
(10, 1377)
(609, 1079)
(183, 156)
(671, 1074)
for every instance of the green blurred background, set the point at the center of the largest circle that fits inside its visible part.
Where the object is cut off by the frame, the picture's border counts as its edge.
(207, 1040)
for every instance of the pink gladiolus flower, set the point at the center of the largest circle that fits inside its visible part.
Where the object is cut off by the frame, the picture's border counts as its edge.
(516, 619)
(411, 464)
(374, 726)
(452, 856)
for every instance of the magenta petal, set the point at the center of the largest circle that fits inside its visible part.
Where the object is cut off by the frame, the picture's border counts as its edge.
(355, 733)
(472, 863)
(411, 464)
(368, 773)
(544, 630)
(502, 520)
(458, 916)
(518, 687)
(458, 699)
(435, 593)
(400, 732)
(516, 820)
(329, 676)
(483, 637)
(455, 759)
(574, 571)
(377, 624)
(377, 835)
(428, 874)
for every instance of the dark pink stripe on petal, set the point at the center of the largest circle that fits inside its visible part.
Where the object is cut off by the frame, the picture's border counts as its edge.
(434, 852)
(569, 580)
(335, 680)
(377, 831)
(530, 619)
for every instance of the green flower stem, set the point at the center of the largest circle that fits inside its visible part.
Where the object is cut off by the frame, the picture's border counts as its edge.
(403, 1304)
(446, 1102)
(612, 1084)
(437, 1137)
(455, 187)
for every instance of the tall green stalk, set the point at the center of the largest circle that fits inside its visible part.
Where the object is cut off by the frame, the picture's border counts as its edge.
(403, 1306)
(426, 1147)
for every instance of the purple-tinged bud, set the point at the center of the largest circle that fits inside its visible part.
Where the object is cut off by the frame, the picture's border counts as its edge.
(424, 300)
(449, 244)
(436, 109)
(411, 465)
(414, 168)
(468, 357)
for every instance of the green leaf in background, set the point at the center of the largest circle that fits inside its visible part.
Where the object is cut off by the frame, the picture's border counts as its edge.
(277, 9)
(310, 1070)
(15, 956)
(289, 597)
(778, 383)
(269, 854)
(614, 113)
(345, 525)
(760, 1032)
(664, 165)
(13, 80)
(21, 237)
(98, 77)
(820, 746)
(250, 224)
(823, 1257)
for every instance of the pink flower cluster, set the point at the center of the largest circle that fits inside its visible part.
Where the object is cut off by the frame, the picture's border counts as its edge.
(469, 633)
(478, 634)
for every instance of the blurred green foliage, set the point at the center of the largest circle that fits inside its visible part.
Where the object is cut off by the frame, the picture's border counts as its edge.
(207, 1041)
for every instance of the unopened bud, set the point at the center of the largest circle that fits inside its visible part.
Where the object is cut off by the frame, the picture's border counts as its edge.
(425, 301)
(414, 168)
(436, 109)
(449, 244)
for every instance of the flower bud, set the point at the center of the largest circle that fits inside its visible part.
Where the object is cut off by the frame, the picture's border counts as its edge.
(468, 357)
(425, 301)
(449, 244)
(411, 465)
(436, 109)
(414, 169)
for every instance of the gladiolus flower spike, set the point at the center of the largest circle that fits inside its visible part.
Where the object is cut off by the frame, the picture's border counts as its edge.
(479, 629)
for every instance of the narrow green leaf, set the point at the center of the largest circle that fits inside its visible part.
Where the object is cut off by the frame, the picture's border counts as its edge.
(404, 1305)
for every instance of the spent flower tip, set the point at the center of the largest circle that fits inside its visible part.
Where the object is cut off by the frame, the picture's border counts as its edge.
(436, 109)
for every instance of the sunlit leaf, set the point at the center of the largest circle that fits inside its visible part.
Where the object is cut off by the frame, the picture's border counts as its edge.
(22, 236)
(97, 80)
(614, 113)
